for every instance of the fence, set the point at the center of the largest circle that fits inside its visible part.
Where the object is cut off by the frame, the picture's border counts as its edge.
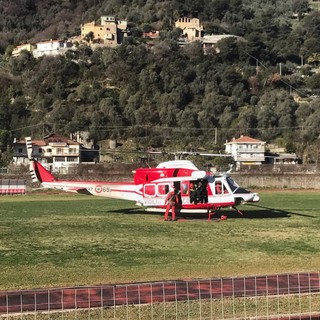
(283, 296)
(12, 186)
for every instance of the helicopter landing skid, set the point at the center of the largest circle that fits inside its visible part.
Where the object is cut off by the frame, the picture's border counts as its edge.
(215, 210)
(233, 207)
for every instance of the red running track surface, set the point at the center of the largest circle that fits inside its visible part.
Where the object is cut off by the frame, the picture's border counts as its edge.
(151, 292)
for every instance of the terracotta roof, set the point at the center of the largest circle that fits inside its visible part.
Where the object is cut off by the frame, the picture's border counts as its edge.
(38, 142)
(35, 142)
(54, 137)
(245, 139)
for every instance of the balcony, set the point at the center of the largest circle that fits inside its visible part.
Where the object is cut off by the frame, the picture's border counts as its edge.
(250, 150)
(57, 144)
(252, 157)
(61, 153)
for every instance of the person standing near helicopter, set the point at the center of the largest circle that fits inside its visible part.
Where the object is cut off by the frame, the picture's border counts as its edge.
(199, 192)
(193, 193)
(171, 201)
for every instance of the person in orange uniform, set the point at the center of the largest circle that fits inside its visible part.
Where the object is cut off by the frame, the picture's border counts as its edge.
(171, 201)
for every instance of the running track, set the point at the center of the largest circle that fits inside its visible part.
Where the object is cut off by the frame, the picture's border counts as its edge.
(151, 292)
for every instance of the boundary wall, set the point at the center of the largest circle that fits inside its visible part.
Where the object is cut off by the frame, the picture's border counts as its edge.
(12, 186)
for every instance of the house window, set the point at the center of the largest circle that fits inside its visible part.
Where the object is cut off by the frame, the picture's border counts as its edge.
(59, 159)
(20, 150)
(71, 159)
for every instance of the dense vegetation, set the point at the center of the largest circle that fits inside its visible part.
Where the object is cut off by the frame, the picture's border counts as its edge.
(159, 94)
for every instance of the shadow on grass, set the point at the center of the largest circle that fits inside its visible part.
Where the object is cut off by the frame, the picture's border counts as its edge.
(289, 213)
(259, 213)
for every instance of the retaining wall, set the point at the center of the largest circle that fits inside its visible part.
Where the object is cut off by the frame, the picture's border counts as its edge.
(287, 180)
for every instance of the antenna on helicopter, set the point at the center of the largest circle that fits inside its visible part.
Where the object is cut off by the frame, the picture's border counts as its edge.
(230, 168)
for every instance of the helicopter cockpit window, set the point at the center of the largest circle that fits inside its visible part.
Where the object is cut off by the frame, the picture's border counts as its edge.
(232, 184)
(221, 188)
(218, 187)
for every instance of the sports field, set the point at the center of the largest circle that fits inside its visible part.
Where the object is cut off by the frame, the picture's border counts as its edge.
(51, 240)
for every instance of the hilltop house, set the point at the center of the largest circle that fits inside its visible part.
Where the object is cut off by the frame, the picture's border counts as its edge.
(110, 32)
(191, 28)
(24, 47)
(246, 151)
(210, 42)
(49, 47)
(52, 48)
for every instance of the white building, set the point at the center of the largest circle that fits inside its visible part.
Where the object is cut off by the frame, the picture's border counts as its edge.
(52, 48)
(56, 153)
(246, 151)
(210, 42)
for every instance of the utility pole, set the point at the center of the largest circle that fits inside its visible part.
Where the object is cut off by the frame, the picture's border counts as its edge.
(215, 135)
(280, 71)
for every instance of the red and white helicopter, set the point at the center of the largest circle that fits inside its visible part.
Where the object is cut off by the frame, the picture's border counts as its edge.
(150, 187)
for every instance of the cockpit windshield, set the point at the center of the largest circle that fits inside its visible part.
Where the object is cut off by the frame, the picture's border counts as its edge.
(232, 184)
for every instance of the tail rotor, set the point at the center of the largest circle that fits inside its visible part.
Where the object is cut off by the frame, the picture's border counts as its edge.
(37, 172)
(31, 160)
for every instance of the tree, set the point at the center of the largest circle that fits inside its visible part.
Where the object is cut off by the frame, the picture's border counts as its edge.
(5, 139)
(89, 37)
(300, 7)
(313, 82)
(228, 49)
(247, 120)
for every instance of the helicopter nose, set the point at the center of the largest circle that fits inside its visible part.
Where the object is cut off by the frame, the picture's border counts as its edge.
(251, 197)
(255, 198)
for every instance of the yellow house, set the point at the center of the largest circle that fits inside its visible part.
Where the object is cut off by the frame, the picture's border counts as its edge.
(191, 28)
(17, 50)
(109, 32)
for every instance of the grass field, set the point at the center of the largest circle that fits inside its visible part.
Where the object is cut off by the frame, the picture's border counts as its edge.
(63, 240)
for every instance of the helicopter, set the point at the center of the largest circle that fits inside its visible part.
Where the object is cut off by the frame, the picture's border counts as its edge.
(150, 186)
